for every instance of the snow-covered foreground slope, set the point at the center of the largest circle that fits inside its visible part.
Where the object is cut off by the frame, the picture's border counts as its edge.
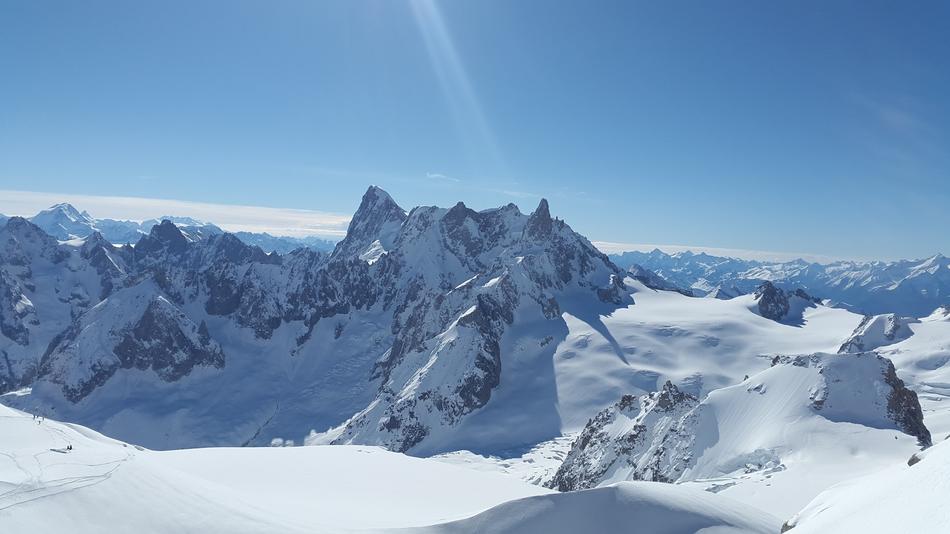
(903, 498)
(105, 485)
(629, 507)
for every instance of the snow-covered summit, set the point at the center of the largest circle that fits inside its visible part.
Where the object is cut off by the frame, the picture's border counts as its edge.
(63, 221)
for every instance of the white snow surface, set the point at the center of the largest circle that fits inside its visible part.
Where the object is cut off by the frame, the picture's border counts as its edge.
(106, 485)
(103, 484)
(902, 498)
(629, 507)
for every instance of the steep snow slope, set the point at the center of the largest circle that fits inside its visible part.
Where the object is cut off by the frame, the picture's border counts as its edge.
(902, 498)
(103, 484)
(632, 507)
(774, 440)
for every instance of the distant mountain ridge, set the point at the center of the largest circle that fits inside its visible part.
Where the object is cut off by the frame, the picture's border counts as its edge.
(64, 222)
(906, 287)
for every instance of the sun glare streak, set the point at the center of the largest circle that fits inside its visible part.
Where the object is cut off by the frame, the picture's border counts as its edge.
(457, 88)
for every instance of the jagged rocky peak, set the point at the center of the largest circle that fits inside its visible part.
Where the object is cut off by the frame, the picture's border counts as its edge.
(877, 331)
(164, 236)
(459, 277)
(377, 219)
(95, 242)
(227, 247)
(772, 301)
(540, 223)
(21, 240)
(635, 439)
(776, 304)
(22, 228)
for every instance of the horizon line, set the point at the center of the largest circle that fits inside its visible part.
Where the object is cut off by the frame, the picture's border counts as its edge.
(295, 222)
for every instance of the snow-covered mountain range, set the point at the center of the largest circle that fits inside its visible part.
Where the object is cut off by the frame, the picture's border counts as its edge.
(495, 340)
(907, 287)
(65, 222)
(396, 338)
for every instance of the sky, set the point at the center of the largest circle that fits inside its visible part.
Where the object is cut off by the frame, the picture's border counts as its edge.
(806, 127)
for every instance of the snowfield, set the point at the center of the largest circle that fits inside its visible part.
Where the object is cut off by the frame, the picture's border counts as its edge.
(45, 488)
(107, 485)
(903, 498)
(632, 507)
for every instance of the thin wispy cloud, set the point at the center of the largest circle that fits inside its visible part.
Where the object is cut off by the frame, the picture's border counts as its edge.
(234, 218)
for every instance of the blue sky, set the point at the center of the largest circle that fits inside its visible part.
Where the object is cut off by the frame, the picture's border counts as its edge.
(820, 127)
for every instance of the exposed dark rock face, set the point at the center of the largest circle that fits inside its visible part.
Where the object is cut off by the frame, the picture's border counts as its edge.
(772, 302)
(15, 309)
(164, 238)
(160, 339)
(903, 407)
(167, 342)
(108, 261)
(802, 294)
(643, 436)
(540, 223)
